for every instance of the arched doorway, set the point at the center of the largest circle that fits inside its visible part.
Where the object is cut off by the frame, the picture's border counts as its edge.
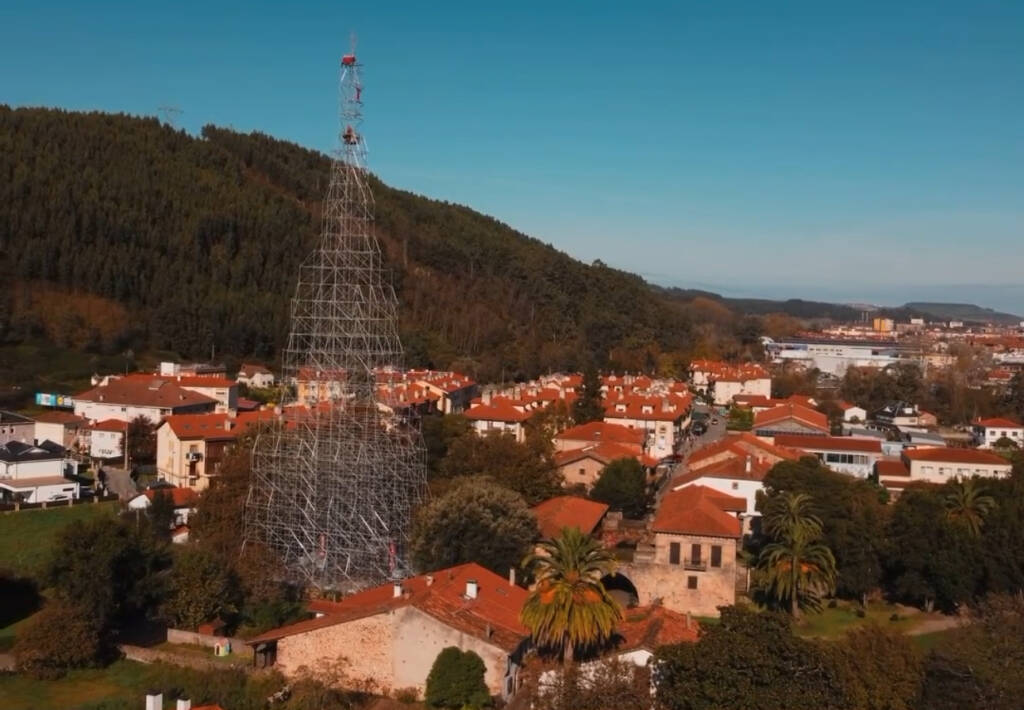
(622, 589)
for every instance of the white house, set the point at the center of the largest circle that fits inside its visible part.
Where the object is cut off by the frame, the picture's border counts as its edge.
(939, 464)
(64, 428)
(845, 454)
(852, 413)
(988, 431)
(663, 418)
(183, 499)
(106, 439)
(725, 380)
(256, 376)
(152, 397)
(499, 415)
(739, 476)
(36, 473)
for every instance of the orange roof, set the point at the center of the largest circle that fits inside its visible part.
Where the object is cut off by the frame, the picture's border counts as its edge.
(731, 468)
(699, 510)
(654, 626)
(214, 426)
(669, 407)
(492, 616)
(500, 409)
(948, 455)
(605, 452)
(998, 423)
(568, 512)
(829, 443)
(727, 371)
(161, 392)
(891, 467)
(249, 369)
(603, 431)
(182, 497)
(804, 415)
(741, 445)
(109, 425)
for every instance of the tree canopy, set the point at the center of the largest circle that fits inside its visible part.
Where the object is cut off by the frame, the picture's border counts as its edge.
(622, 484)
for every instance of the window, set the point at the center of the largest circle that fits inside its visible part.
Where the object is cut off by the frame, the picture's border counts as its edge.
(735, 486)
(583, 472)
(695, 554)
(673, 553)
(691, 582)
(716, 555)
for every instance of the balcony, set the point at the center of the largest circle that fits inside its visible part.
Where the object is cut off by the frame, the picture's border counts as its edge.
(699, 565)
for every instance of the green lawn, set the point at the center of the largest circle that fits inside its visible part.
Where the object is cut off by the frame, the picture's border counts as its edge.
(26, 536)
(124, 679)
(832, 623)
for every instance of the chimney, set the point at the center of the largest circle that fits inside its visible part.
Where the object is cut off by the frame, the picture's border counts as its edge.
(430, 579)
(511, 576)
(228, 424)
(154, 701)
(747, 467)
(183, 704)
(397, 589)
(471, 589)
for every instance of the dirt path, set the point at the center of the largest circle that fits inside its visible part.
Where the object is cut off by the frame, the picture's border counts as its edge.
(938, 623)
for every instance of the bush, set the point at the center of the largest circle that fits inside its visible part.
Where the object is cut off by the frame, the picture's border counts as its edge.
(61, 637)
(407, 696)
(894, 617)
(456, 680)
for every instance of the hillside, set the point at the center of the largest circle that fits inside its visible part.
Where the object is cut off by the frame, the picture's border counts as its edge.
(967, 312)
(121, 232)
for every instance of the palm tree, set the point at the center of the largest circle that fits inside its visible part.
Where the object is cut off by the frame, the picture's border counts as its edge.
(797, 567)
(569, 609)
(968, 504)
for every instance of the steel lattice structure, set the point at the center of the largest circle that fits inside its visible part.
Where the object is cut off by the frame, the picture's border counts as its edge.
(336, 477)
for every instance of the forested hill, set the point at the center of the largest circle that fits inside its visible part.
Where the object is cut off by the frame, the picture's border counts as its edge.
(120, 232)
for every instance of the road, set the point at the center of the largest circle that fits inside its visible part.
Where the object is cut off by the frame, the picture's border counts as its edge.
(713, 434)
(120, 482)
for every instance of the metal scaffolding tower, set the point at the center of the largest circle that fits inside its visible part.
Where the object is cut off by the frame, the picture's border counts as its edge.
(335, 478)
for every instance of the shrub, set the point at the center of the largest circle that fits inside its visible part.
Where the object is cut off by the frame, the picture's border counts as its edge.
(61, 637)
(407, 696)
(456, 680)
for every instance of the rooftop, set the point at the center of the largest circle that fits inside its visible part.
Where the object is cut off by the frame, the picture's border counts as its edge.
(603, 431)
(19, 451)
(699, 510)
(654, 626)
(829, 443)
(568, 512)
(942, 454)
(802, 414)
(146, 391)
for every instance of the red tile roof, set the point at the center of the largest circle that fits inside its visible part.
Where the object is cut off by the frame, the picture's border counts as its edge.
(568, 512)
(160, 392)
(804, 415)
(729, 372)
(733, 468)
(500, 409)
(998, 423)
(605, 452)
(699, 510)
(669, 407)
(215, 426)
(603, 431)
(182, 497)
(249, 369)
(829, 443)
(740, 445)
(493, 616)
(891, 467)
(109, 425)
(654, 626)
(949, 455)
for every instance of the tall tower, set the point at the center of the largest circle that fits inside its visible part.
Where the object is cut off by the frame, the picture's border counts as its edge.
(335, 478)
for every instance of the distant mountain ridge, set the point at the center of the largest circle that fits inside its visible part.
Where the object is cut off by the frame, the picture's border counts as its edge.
(966, 312)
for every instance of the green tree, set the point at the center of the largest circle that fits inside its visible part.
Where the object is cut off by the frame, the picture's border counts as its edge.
(477, 521)
(569, 611)
(623, 486)
(200, 590)
(749, 660)
(141, 440)
(879, 670)
(589, 404)
(968, 504)
(527, 468)
(439, 432)
(853, 515)
(61, 637)
(795, 568)
(161, 514)
(456, 680)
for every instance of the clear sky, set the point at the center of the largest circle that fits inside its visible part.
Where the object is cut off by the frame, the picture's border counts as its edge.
(868, 151)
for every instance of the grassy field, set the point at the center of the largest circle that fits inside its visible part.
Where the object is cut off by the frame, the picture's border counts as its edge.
(833, 623)
(27, 536)
(124, 679)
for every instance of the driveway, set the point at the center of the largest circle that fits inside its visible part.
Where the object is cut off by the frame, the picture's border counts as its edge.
(713, 434)
(120, 482)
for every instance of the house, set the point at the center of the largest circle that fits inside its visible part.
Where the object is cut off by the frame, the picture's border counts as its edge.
(662, 417)
(893, 475)
(256, 376)
(64, 428)
(644, 629)
(560, 512)
(15, 427)
(940, 464)
(741, 477)
(192, 369)
(184, 500)
(127, 398)
(391, 634)
(583, 466)
(191, 447)
(584, 435)
(33, 473)
(690, 565)
(988, 431)
(758, 403)
(899, 414)
(723, 381)
(790, 419)
(499, 414)
(852, 413)
(220, 389)
(106, 438)
(845, 454)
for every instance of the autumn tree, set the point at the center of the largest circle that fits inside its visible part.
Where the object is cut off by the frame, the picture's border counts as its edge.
(526, 468)
(141, 440)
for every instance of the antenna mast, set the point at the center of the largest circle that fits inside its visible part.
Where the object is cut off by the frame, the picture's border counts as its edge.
(336, 476)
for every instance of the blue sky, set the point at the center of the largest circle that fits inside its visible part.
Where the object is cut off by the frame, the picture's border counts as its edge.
(869, 151)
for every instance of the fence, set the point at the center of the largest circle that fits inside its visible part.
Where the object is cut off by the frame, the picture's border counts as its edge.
(16, 507)
(156, 655)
